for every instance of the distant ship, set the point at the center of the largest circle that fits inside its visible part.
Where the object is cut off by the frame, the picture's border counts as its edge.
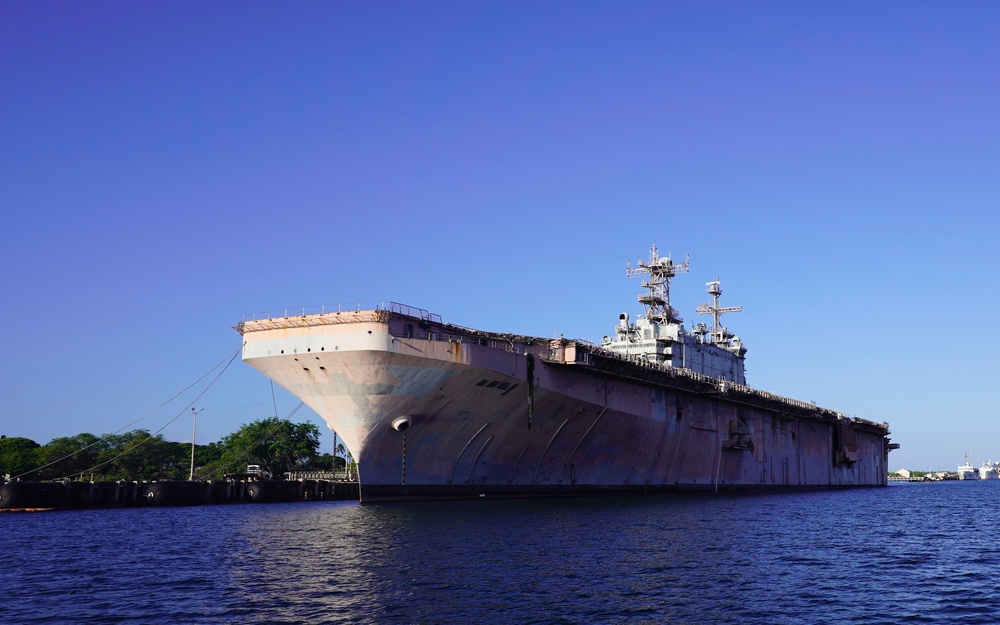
(967, 471)
(989, 471)
(434, 410)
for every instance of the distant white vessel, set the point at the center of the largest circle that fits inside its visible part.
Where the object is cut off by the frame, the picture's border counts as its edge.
(989, 471)
(967, 471)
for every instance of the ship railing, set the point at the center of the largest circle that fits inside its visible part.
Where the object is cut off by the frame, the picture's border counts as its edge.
(339, 475)
(413, 311)
(513, 343)
(304, 311)
(457, 334)
(725, 385)
(511, 346)
(504, 344)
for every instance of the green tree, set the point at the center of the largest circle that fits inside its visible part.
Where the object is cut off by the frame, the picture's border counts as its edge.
(175, 461)
(326, 462)
(140, 455)
(132, 455)
(67, 456)
(123, 456)
(18, 455)
(206, 460)
(277, 444)
(205, 455)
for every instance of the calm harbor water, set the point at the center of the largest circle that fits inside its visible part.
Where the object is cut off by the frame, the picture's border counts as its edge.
(907, 553)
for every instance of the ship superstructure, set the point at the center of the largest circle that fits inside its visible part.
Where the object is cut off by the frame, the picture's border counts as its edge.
(430, 409)
(659, 336)
(967, 471)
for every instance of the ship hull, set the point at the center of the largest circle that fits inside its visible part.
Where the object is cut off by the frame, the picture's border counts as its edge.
(435, 411)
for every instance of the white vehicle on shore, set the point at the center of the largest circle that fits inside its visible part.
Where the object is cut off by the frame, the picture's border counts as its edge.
(258, 471)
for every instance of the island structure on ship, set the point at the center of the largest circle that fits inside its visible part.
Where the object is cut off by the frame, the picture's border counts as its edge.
(429, 409)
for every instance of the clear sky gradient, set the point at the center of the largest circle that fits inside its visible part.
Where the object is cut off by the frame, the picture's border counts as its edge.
(167, 168)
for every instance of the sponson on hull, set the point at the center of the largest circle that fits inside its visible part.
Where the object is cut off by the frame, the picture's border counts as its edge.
(430, 409)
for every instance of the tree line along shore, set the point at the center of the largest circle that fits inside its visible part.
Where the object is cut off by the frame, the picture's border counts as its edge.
(278, 445)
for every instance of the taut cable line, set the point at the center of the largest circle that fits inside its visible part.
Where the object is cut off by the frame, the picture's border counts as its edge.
(177, 416)
(246, 452)
(228, 360)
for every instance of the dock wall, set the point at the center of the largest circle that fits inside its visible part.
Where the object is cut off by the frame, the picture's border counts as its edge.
(129, 493)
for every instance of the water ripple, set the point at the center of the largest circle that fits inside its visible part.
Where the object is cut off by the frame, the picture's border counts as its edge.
(913, 553)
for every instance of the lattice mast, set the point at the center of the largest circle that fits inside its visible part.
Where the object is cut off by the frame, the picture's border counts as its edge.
(719, 333)
(657, 298)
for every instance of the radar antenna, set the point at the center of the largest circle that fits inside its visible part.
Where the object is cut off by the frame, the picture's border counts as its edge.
(719, 333)
(660, 271)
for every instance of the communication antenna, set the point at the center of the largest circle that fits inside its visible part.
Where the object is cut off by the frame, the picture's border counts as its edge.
(660, 270)
(719, 333)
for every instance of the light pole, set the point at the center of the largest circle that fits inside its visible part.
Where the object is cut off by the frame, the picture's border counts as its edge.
(194, 428)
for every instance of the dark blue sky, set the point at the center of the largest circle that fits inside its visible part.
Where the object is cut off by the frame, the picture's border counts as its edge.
(167, 168)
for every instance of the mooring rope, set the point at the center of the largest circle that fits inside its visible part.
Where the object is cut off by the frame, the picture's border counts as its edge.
(231, 357)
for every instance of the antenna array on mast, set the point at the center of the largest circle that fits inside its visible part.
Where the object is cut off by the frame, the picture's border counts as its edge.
(660, 271)
(719, 333)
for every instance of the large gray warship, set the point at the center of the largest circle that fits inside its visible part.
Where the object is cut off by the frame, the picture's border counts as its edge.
(429, 409)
